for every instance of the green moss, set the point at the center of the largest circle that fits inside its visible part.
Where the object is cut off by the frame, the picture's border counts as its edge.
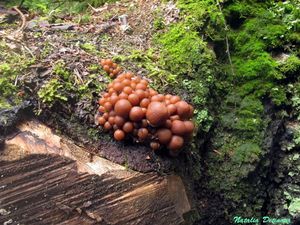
(70, 6)
(184, 52)
(151, 62)
(89, 47)
(85, 18)
(6, 85)
(158, 23)
(12, 66)
(60, 70)
(51, 92)
(291, 66)
(294, 207)
(246, 152)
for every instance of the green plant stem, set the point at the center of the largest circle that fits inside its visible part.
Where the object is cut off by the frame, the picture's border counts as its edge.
(226, 39)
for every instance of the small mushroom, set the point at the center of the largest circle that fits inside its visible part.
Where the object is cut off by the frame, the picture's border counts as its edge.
(176, 143)
(189, 126)
(101, 120)
(164, 136)
(134, 99)
(171, 109)
(122, 108)
(119, 121)
(107, 126)
(128, 127)
(154, 145)
(178, 127)
(142, 133)
(144, 103)
(136, 114)
(183, 109)
(119, 135)
(157, 113)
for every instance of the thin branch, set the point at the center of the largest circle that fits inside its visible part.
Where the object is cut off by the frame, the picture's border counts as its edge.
(22, 17)
(226, 39)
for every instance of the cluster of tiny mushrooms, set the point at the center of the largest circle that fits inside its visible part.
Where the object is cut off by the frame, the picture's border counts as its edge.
(131, 109)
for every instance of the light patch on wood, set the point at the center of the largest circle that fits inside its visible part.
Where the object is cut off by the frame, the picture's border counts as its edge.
(36, 138)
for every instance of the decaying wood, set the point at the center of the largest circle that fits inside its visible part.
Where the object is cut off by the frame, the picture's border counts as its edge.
(46, 179)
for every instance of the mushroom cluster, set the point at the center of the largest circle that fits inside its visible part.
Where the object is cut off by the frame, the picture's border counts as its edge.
(130, 108)
(110, 67)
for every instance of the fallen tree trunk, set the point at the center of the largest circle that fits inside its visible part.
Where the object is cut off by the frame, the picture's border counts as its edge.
(47, 179)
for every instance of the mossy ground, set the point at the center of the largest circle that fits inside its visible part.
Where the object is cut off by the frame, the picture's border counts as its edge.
(12, 65)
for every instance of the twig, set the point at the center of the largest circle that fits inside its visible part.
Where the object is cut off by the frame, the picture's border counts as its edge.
(98, 9)
(30, 52)
(226, 39)
(216, 151)
(22, 17)
(76, 72)
(16, 80)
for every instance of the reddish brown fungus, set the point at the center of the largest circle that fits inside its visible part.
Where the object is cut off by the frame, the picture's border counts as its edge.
(131, 108)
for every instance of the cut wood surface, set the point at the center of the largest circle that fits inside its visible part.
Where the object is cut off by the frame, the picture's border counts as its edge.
(46, 179)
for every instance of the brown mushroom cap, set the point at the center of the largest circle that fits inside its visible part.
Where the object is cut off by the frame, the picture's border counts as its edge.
(119, 135)
(156, 98)
(178, 127)
(101, 120)
(134, 99)
(122, 108)
(172, 109)
(106, 68)
(111, 120)
(176, 143)
(174, 117)
(168, 96)
(118, 86)
(141, 86)
(101, 109)
(154, 145)
(128, 75)
(144, 103)
(126, 82)
(143, 81)
(107, 126)
(140, 93)
(133, 85)
(174, 99)
(109, 62)
(168, 124)
(127, 90)
(128, 127)
(123, 96)
(114, 99)
(142, 133)
(189, 126)
(108, 106)
(102, 101)
(136, 114)
(144, 123)
(157, 113)
(102, 62)
(183, 109)
(119, 121)
(164, 135)
(112, 113)
(105, 115)
(152, 92)
(191, 113)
